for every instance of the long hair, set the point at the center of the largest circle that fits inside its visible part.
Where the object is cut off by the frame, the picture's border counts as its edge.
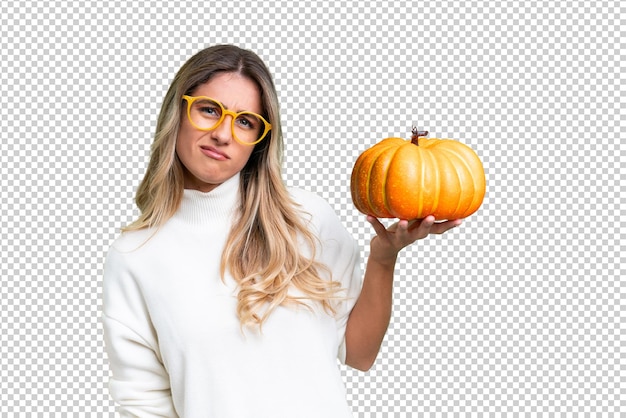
(264, 249)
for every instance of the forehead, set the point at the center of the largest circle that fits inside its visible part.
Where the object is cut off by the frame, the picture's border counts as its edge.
(233, 90)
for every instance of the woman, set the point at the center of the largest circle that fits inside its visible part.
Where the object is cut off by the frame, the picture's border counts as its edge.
(232, 296)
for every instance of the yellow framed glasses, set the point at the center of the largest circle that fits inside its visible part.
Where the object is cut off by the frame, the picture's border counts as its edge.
(206, 114)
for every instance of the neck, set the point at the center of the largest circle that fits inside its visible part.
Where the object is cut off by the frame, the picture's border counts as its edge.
(201, 207)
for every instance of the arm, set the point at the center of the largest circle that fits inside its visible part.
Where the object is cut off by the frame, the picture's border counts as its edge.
(139, 383)
(369, 319)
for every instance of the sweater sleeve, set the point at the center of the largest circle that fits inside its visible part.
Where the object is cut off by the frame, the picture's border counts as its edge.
(341, 254)
(351, 280)
(139, 383)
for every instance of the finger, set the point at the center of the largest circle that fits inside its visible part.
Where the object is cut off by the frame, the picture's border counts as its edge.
(415, 223)
(379, 228)
(419, 228)
(402, 225)
(440, 228)
(425, 226)
(401, 231)
(393, 227)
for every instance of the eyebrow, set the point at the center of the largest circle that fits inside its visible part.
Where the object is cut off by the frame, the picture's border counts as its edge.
(227, 108)
(240, 110)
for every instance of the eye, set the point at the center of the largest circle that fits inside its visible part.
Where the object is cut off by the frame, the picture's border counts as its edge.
(208, 109)
(247, 121)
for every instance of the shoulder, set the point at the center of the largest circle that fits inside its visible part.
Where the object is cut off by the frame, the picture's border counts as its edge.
(320, 215)
(131, 241)
(132, 263)
(338, 249)
(313, 204)
(317, 212)
(129, 246)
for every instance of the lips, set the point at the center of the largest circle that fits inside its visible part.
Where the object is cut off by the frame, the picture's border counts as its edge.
(214, 153)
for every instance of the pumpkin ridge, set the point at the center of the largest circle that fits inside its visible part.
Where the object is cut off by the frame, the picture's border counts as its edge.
(386, 177)
(366, 199)
(354, 181)
(459, 177)
(357, 180)
(374, 208)
(362, 174)
(462, 163)
(458, 156)
(436, 181)
(420, 186)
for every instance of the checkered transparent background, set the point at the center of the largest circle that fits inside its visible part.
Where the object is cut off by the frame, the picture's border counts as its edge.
(518, 312)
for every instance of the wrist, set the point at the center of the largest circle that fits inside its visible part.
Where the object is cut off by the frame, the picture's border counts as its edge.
(384, 261)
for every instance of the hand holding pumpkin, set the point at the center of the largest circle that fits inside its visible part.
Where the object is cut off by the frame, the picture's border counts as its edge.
(417, 182)
(389, 241)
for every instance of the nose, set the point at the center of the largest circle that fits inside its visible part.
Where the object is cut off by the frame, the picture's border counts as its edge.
(223, 133)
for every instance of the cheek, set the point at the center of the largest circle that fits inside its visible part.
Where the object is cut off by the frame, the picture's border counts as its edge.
(184, 143)
(183, 133)
(243, 155)
(180, 150)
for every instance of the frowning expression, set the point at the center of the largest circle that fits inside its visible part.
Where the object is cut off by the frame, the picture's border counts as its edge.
(211, 157)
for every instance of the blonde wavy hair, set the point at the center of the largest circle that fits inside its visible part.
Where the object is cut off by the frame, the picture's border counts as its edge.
(263, 249)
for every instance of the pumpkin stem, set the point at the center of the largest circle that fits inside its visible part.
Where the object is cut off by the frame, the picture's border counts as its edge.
(415, 139)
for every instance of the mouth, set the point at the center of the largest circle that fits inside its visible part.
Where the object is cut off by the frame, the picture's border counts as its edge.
(214, 153)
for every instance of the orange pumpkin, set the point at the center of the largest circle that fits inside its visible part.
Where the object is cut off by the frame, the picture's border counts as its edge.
(404, 179)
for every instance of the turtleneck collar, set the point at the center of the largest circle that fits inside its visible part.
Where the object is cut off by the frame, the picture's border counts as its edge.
(199, 207)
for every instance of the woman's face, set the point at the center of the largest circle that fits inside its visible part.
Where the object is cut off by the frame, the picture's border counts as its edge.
(212, 157)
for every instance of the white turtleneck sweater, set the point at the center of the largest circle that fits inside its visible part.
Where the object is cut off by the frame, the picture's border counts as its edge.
(174, 342)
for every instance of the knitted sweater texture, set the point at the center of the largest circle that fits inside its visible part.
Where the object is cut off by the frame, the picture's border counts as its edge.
(175, 345)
